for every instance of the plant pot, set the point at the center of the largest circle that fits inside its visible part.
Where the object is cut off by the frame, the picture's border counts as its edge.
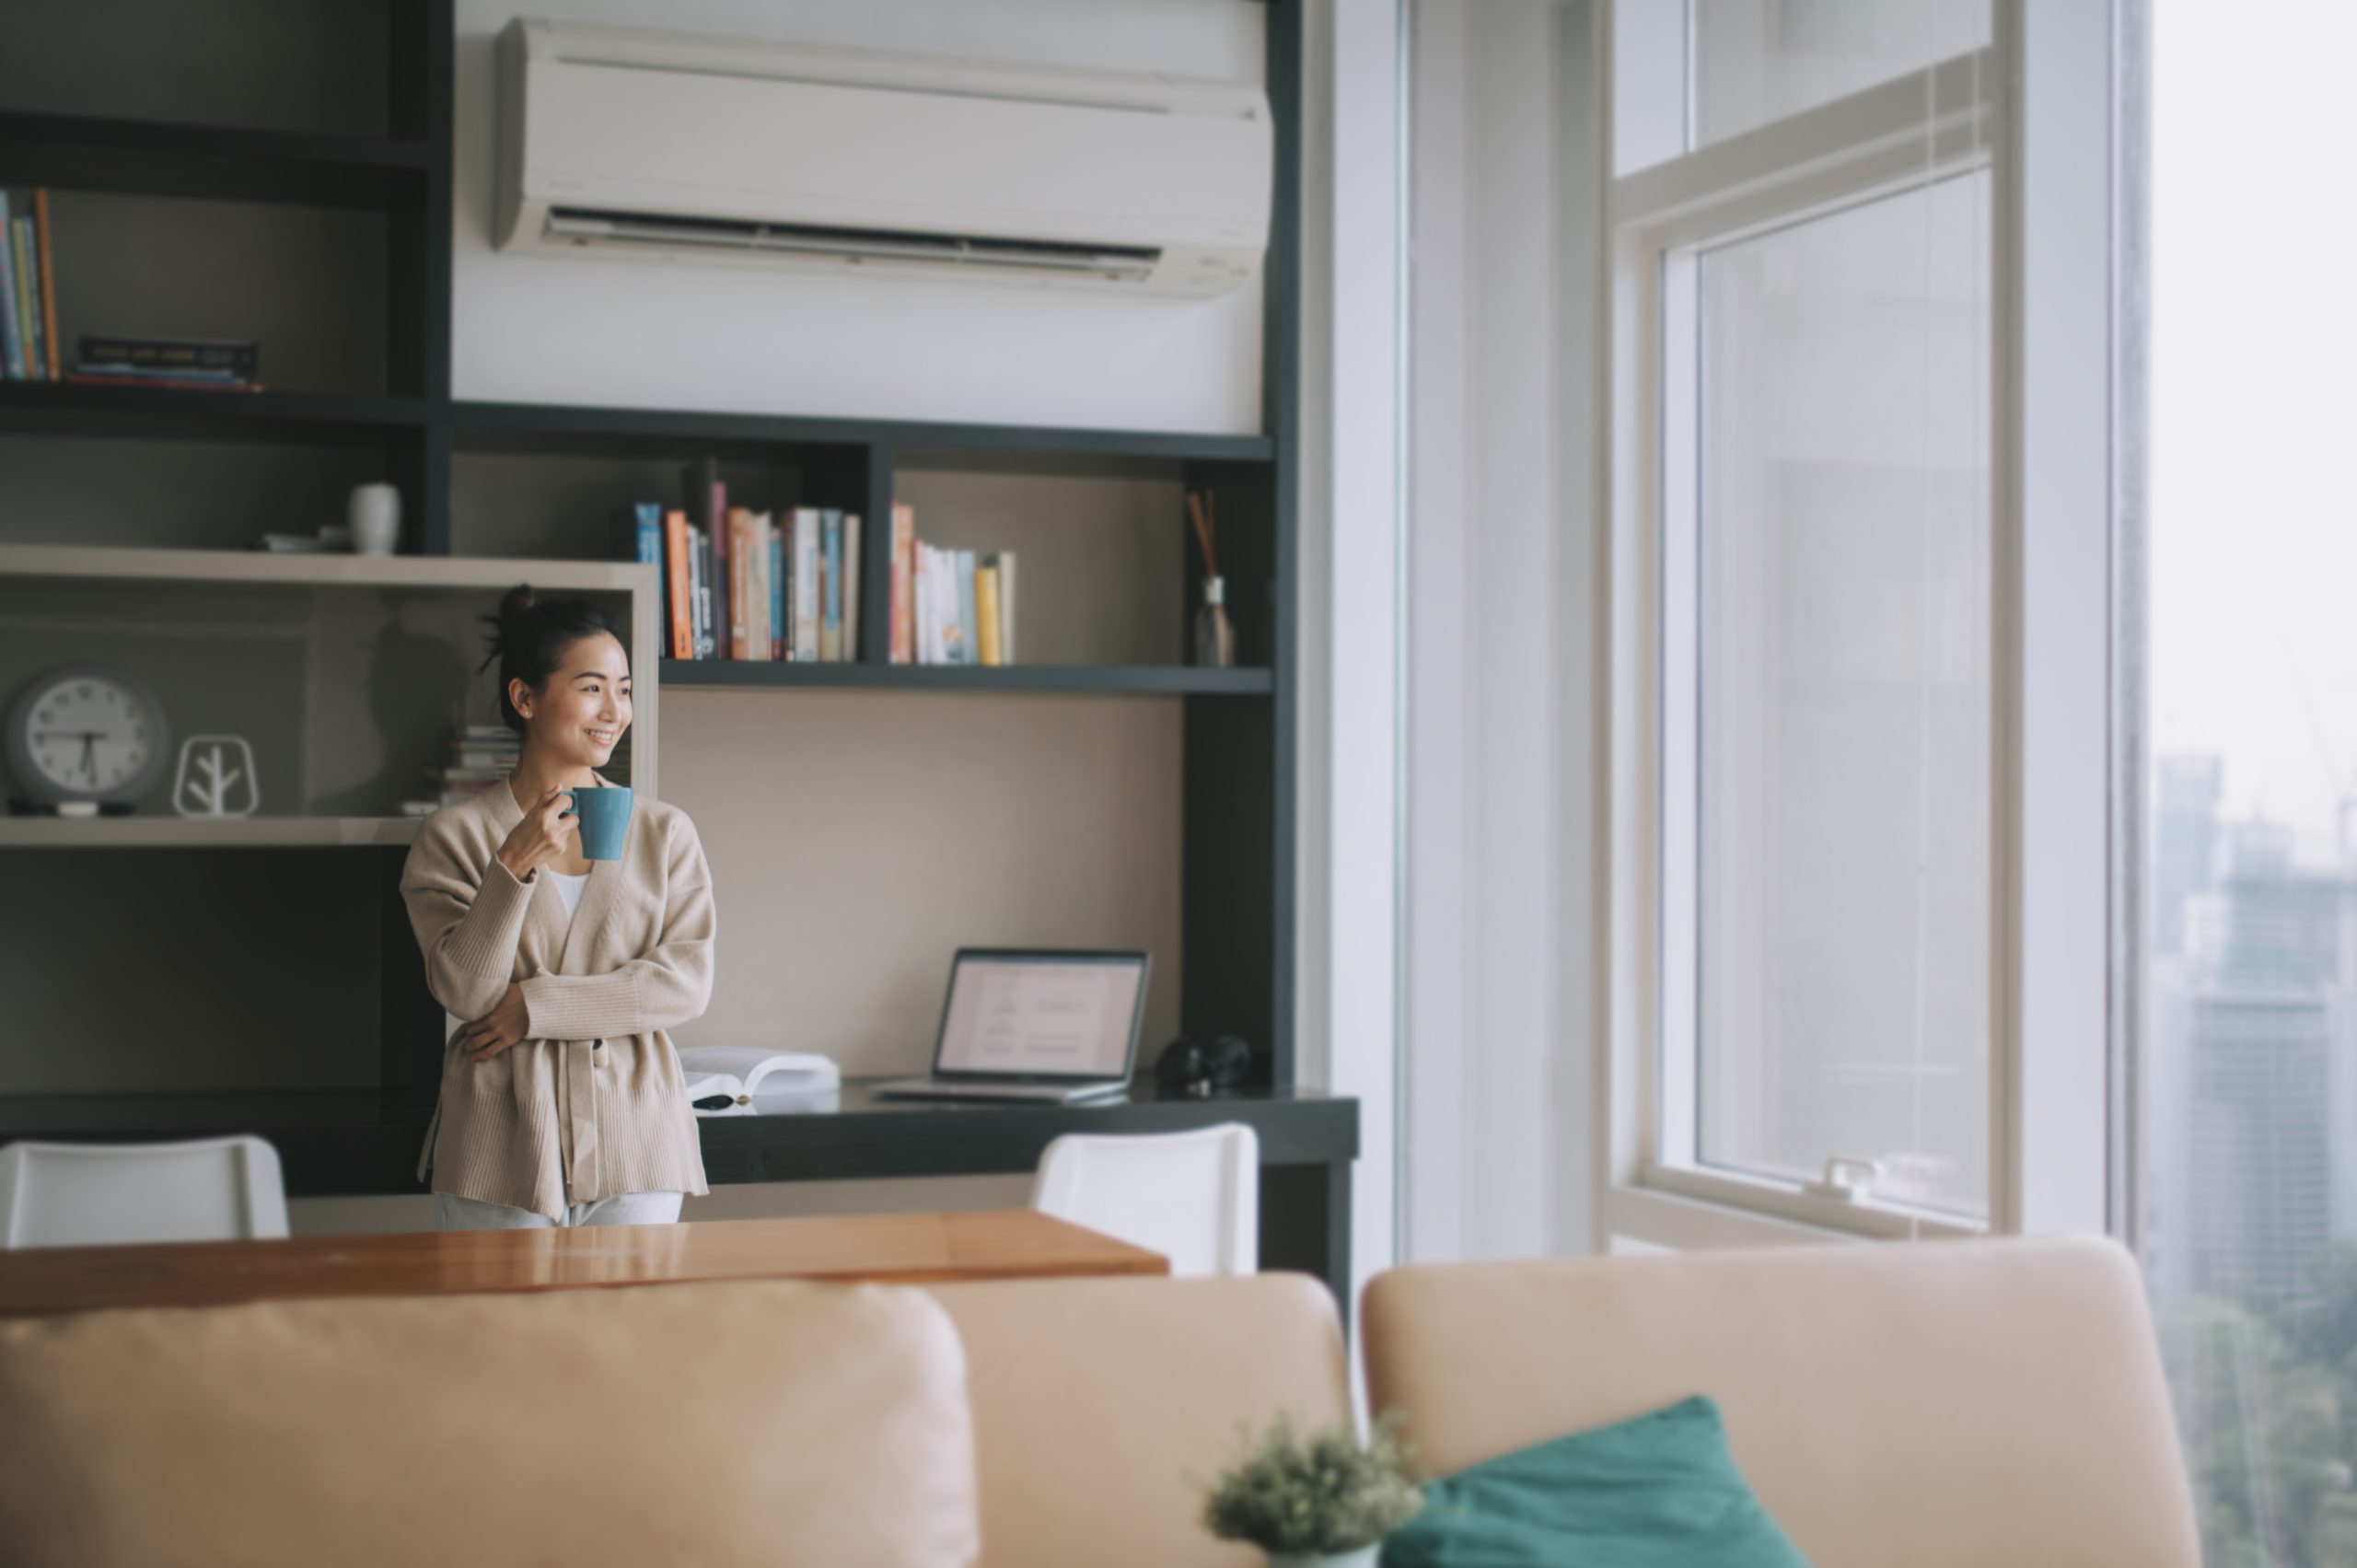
(1359, 1557)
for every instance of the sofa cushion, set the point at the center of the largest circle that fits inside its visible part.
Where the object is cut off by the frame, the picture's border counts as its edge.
(738, 1423)
(1656, 1491)
(1103, 1408)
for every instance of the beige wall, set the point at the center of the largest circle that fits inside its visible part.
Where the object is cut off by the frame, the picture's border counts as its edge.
(858, 838)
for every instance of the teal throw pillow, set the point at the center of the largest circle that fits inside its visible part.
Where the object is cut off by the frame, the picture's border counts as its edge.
(1657, 1490)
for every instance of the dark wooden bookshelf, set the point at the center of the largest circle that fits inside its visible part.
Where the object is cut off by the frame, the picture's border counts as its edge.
(218, 163)
(544, 427)
(294, 418)
(1238, 808)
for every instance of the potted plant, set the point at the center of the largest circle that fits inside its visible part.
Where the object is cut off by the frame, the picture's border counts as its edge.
(1322, 1501)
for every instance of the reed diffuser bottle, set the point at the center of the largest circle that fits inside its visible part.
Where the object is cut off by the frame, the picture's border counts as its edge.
(1214, 636)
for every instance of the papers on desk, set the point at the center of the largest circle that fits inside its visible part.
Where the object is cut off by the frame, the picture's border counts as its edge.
(746, 1080)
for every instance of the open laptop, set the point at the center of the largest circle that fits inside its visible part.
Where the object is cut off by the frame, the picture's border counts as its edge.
(1034, 1024)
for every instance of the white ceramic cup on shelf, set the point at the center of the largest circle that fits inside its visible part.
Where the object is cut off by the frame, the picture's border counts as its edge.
(374, 515)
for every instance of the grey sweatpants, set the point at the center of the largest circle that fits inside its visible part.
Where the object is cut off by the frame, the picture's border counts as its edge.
(627, 1208)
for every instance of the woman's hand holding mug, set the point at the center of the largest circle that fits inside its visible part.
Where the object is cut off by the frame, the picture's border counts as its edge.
(542, 836)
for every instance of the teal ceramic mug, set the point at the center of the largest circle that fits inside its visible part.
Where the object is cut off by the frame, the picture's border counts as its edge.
(604, 816)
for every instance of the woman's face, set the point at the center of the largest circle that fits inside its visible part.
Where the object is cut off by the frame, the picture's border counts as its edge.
(579, 716)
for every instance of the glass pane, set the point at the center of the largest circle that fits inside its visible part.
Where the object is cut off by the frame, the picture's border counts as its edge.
(2245, 1116)
(1755, 60)
(1845, 692)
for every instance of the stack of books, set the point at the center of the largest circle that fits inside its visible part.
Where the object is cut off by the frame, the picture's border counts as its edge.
(217, 364)
(28, 290)
(484, 754)
(481, 755)
(740, 584)
(949, 606)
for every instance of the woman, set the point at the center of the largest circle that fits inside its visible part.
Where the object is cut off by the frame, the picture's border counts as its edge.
(562, 1102)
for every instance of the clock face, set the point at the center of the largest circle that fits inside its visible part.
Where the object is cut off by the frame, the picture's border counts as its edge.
(86, 734)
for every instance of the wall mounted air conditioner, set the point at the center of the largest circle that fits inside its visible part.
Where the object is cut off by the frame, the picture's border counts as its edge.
(617, 142)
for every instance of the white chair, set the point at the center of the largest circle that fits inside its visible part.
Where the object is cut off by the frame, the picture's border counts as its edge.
(1193, 1197)
(94, 1194)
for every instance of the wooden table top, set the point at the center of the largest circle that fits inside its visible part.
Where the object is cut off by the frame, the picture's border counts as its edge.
(914, 1249)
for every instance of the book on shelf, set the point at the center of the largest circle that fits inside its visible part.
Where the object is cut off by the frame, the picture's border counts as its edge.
(1003, 590)
(806, 583)
(831, 585)
(849, 650)
(21, 256)
(780, 647)
(29, 344)
(970, 625)
(760, 585)
(699, 566)
(986, 615)
(11, 331)
(41, 226)
(680, 621)
(902, 594)
(754, 1081)
(959, 604)
(217, 355)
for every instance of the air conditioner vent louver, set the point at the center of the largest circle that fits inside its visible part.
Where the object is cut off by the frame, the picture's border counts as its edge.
(626, 143)
(1128, 262)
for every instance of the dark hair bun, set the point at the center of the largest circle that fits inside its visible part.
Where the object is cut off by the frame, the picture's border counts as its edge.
(528, 639)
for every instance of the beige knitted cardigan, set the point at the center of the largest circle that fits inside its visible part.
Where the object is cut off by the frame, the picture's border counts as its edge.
(591, 1103)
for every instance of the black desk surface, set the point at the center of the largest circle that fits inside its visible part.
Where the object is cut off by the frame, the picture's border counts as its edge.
(357, 1141)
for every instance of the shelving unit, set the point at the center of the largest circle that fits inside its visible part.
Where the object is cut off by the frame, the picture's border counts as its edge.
(100, 589)
(1238, 725)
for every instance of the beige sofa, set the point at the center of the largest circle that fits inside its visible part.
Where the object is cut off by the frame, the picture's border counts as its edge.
(1943, 1405)
(1919, 1406)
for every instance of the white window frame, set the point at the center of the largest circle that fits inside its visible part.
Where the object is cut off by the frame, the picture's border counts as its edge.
(2046, 135)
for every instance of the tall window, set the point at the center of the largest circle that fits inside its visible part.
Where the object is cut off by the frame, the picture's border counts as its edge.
(1805, 620)
(2245, 1115)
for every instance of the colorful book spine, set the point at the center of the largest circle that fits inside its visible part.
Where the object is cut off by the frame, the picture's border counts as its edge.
(735, 640)
(722, 557)
(902, 644)
(675, 583)
(707, 627)
(20, 246)
(757, 597)
(1005, 561)
(781, 641)
(970, 637)
(852, 530)
(48, 280)
(830, 574)
(986, 613)
(805, 584)
(12, 339)
(921, 597)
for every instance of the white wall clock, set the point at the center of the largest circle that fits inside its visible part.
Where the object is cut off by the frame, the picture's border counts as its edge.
(83, 735)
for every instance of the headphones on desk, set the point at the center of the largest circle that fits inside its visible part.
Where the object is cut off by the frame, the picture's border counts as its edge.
(1201, 1069)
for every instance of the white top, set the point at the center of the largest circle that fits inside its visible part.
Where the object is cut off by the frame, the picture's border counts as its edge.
(568, 886)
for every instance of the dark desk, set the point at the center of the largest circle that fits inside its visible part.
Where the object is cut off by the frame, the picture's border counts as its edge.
(365, 1141)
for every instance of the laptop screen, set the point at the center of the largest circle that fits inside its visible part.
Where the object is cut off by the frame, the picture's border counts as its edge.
(1052, 1015)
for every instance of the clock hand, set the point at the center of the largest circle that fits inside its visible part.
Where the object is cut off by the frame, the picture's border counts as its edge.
(90, 754)
(69, 735)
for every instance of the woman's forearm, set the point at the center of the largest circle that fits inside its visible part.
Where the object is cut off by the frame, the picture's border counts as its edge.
(659, 992)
